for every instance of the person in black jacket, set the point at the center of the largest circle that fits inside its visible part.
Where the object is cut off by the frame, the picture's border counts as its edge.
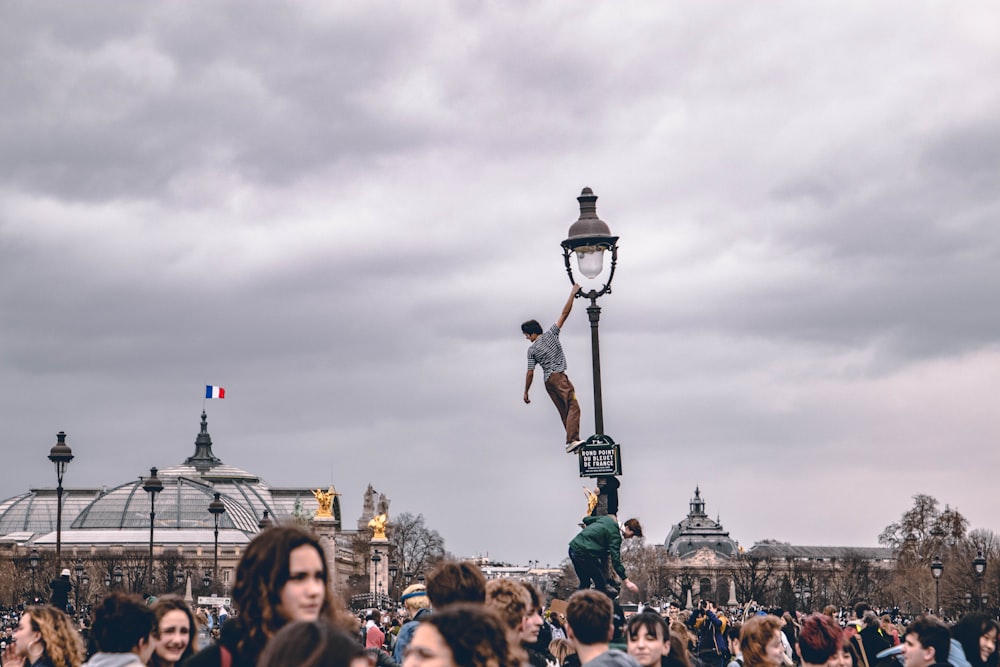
(60, 591)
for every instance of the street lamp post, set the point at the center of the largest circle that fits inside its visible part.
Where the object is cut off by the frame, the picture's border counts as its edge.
(393, 571)
(979, 565)
(937, 567)
(152, 485)
(78, 568)
(33, 564)
(117, 575)
(265, 521)
(60, 455)
(589, 237)
(376, 558)
(217, 508)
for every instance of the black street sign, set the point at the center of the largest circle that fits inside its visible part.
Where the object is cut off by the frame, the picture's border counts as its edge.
(600, 457)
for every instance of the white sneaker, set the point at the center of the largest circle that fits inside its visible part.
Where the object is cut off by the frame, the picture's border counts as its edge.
(573, 446)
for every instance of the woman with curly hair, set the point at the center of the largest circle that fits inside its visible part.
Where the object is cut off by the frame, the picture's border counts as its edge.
(281, 577)
(44, 637)
(175, 629)
(461, 635)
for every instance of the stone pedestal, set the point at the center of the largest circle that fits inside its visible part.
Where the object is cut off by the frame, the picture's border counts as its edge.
(379, 572)
(327, 528)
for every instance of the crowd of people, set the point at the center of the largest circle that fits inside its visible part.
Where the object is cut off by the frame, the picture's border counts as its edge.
(285, 614)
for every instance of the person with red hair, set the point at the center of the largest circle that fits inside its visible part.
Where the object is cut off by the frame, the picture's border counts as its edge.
(819, 640)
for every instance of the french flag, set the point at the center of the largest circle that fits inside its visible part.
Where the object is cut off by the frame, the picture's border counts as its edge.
(215, 392)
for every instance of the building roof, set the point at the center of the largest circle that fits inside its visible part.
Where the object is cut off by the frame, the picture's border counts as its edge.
(699, 531)
(770, 550)
(110, 516)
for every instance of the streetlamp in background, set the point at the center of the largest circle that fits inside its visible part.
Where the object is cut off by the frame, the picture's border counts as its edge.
(589, 238)
(117, 576)
(33, 564)
(206, 581)
(393, 571)
(421, 578)
(151, 485)
(937, 568)
(60, 455)
(217, 508)
(979, 565)
(81, 580)
(265, 521)
(376, 559)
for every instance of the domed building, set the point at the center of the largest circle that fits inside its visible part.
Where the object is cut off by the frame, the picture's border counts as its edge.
(109, 529)
(698, 532)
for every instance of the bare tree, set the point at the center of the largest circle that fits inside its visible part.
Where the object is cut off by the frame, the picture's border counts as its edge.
(417, 547)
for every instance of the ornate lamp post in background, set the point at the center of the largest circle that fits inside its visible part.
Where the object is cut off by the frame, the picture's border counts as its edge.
(60, 455)
(217, 508)
(81, 580)
(937, 568)
(393, 571)
(117, 575)
(33, 564)
(589, 237)
(376, 559)
(151, 485)
(265, 521)
(979, 565)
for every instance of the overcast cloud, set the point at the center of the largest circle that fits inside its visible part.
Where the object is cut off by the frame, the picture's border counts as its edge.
(341, 212)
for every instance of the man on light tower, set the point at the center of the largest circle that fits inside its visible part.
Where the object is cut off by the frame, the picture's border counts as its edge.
(546, 351)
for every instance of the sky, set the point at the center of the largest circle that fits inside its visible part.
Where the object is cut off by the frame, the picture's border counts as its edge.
(342, 212)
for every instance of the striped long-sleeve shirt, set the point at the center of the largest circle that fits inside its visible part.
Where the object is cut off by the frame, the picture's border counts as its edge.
(547, 352)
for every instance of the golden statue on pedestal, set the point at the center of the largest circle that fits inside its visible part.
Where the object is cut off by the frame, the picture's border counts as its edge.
(378, 526)
(325, 500)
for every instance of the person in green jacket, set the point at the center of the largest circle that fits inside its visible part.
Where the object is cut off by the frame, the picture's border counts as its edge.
(589, 551)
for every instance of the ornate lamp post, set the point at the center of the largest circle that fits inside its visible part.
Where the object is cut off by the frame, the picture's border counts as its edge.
(407, 577)
(60, 455)
(179, 577)
(33, 564)
(265, 521)
(393, 571)
(979, 565)
(217, 508)
(421, 578)
(589, 238)
(78, 568)
(206, 581)
(151, 485)
(376, 559)
(117, 575)
(937, 568)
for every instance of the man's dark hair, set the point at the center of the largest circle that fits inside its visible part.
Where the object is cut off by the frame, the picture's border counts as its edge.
(534, 594)
(648, 620)
(121, 621)
(931, 633)
(860, 609)
(634, 526)
(531, 327)
(589, 615)
(456, 581)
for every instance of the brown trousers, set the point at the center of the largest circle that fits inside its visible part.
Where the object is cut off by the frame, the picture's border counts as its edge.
(563, 394)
